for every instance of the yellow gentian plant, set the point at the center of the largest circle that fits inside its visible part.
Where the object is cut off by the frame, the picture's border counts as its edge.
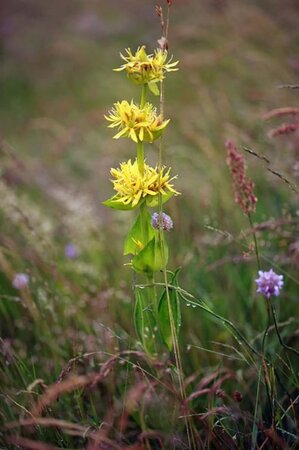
(139, 186)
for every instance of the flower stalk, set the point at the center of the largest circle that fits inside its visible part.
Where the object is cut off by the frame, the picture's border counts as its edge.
(143, 96)
(140, 157)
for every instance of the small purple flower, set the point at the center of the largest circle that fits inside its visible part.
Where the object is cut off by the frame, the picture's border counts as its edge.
(20, 280)
(269, 283)
(165, 222)
(71, 251)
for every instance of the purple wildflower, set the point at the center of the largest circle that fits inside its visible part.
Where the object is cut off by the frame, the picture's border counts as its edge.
(20, 280)
(269, 283)
(165, 222)
(71, 251)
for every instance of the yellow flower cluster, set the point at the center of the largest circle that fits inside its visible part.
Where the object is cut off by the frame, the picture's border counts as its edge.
(132, 186)
(141, 124)
(147, 69)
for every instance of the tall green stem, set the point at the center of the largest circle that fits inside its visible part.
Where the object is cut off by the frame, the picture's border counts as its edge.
(140, 149)
(140, 162)
(263, 366)
(256, 249)
(174, 336)
(140, 157)
(287, 347)
(143, 95)
(143, 216)
(152, 294)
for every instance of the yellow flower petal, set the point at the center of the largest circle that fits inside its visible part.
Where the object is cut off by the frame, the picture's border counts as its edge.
(134, 121)
(132, 186)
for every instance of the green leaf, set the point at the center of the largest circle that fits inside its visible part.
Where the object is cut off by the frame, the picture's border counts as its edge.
(163, 311)
(144, 321)
(152, 257)
(154, 88)
(153, 201)
(115, 203)
(137, 233)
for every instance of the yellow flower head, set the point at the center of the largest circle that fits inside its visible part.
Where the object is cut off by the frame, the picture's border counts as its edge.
(142, 68)
(132, 186)
(138, 124)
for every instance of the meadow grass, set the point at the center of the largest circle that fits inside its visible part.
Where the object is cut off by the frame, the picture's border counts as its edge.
(69, 354)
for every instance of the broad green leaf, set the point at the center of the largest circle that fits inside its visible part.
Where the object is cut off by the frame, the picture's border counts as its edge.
(154, 88)
(152, 257)
(115, 203)
(137, 235)
(144, 321)
(153, 201)
(163, 310)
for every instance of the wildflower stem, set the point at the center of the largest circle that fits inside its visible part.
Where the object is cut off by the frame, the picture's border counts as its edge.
(256, 249)
(263, 362)
(263, 366)
(152, 294)
(151, 279)
(287, 347)
(140, 157)
(178, 360)
(174, 336)
(143, 214)
(143, 95)
(267, 327)
(255, 426)
(140, 149)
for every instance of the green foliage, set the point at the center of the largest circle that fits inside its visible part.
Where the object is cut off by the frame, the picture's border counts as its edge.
(153, 202)
(153, 257)
(153, 87)
(141, 228)
(54, 156)
(165, 313)
(144, 320)
(115, 203)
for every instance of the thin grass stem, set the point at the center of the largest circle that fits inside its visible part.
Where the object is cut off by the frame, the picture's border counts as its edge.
(174, 336)
(143, 95)
(255, 428)
(256, 249)
(263, 366)
(287, 347)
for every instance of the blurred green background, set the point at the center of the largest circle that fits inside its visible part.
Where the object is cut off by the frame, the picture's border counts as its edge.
(56, 83)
